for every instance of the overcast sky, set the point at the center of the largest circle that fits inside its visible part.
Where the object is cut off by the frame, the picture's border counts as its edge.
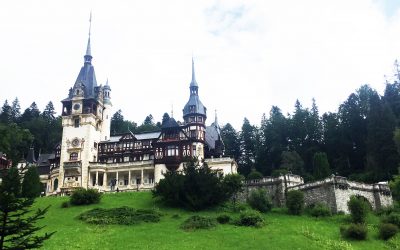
(249, 55)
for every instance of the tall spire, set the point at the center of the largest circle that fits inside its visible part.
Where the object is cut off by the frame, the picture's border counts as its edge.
(193, 82)
(88, 55)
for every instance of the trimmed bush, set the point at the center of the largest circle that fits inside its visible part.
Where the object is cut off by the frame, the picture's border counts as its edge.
(223, 219)
(83, 196)
(198, 222)
(387, 230)
(259, 201)
(119, 216)
(358, 209)
(320, 210)
(250, 218)
(65, 204)
(295, 202)
(354, 231)
(393, 218)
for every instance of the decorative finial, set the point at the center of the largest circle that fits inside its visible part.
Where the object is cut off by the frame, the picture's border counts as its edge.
(172, 110)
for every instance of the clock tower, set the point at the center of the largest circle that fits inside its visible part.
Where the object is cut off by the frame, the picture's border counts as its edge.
(86, 121)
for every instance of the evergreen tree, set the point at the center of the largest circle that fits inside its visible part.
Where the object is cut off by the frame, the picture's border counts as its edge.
(292, 162)
(382, 158)
(117, 123)
(248, 148)
(274, 141)
(165, 118)
(15, 110)
(6, 115)
(17, 229)
(392, 98)
(49, 112)
(231, 140)
(14, 141)
(321, 167)
(31, 185)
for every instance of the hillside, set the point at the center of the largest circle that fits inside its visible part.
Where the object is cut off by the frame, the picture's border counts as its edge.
(280, 232)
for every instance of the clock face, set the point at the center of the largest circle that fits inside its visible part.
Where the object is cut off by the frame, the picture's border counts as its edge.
(75, 142)
(76, 106)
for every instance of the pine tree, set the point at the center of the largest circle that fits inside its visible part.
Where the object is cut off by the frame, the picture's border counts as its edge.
(248, 148)
(6, 116)
(321, 167)
(17, 229)
(231, 140)
(15, 110)
(49, 112)
(31, 185)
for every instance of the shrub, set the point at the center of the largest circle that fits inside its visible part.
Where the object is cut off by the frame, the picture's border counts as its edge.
(259, 200)
(65, 204)
(198, 187)
(320, 210)
(175, 216)
(198, 222)
(119, 216)
(83, 196)
(387, 230)
(250, 218)
(354, 231)
(358, 209)
(254, 175)
(393, 218)
(223, 219)
(295, 202)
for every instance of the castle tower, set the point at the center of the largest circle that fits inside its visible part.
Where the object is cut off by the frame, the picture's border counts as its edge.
(194, 116)
(85, 121)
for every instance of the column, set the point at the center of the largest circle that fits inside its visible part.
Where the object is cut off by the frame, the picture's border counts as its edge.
(97, 178)
(129, 178)
(142, 179)
(90, 179)
(117, 184)
(105, 184)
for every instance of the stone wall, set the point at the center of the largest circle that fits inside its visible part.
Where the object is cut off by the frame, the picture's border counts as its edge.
(334, 191)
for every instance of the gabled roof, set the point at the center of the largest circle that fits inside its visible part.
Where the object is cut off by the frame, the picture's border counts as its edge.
(31, 156)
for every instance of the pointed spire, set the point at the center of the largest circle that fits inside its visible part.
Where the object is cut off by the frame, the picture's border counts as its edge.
(88, 55)
(193, 82)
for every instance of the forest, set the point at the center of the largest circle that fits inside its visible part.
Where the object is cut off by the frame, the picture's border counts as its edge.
(360, 141)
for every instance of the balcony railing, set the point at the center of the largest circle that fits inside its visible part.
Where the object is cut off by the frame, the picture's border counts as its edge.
(72, 164)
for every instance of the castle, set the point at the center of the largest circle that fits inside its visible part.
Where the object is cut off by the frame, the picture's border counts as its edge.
(89, 157)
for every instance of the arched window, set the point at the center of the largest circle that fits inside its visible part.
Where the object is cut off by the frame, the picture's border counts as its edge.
(73, 156)
(55, 184)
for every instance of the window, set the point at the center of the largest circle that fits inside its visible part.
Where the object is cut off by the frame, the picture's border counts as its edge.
(76, 122)
(95, 146)
(73, 156)
(172, 151)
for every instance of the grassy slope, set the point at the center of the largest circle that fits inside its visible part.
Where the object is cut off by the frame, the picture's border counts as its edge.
(281, 232)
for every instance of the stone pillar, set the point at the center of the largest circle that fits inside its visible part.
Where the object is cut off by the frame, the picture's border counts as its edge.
(117, 184)
(129, 178)
(142, 179)
(97, 178)
(90, 179)
(105, 184)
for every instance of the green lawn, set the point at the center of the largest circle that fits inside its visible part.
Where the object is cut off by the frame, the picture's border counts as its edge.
(280, 232)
